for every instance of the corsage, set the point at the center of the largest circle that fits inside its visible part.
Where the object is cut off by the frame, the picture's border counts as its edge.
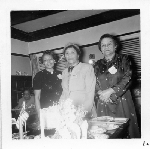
(59, 76)
(112, 70)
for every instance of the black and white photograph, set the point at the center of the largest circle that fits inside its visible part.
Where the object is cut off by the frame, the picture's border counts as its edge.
(75, 74)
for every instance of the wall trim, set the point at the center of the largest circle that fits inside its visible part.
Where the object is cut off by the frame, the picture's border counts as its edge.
(15, 54)
(92, 44)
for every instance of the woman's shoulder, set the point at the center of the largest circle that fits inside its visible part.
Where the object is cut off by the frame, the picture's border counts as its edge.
(98, 63)
(85, 65)
(39, 74)
(122, 57)
(65, 70)
(21, 100)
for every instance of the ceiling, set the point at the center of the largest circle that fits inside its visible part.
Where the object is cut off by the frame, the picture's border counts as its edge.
(32, 23)
(35, 25)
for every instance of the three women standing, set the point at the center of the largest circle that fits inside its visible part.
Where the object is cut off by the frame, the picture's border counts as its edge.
(113, 74)
(112, 81)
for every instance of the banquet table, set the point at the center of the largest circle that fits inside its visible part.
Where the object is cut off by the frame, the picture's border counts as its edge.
(119, 133)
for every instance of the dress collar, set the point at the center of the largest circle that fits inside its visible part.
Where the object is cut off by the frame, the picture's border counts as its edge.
(50, 72)
(70, 68)
(104, 61)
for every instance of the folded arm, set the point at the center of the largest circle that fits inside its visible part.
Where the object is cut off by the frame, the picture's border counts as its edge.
(122, 86)
(37, 101)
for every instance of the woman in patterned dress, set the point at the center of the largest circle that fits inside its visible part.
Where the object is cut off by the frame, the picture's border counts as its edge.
(113, 74)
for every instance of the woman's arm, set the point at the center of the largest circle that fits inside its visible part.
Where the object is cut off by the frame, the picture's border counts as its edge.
(90, 81)
(20, 103)
(62, 97)
(37, 85)
(122, 86)
(37, 94)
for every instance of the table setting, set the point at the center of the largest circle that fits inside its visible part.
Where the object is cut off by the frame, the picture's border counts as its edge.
(98, 128)
(103, 127)
(70, 123)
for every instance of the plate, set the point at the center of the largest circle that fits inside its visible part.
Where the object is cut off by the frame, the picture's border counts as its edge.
(108, 120)
(100, 136)
(103, 118)
(97, 131)
(121, 120)
(29, 137)
(112, 127)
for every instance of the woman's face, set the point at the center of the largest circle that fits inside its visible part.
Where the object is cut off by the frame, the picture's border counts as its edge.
(71, 56)
(48, 61)
(108, 46)
(26, 95)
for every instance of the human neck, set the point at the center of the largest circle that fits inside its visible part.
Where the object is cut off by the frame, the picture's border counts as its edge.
(109, 57)
(74, 64)
(50, 69)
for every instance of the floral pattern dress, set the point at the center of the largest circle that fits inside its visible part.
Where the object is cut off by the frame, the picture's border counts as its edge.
(116, 74)
(50, 86)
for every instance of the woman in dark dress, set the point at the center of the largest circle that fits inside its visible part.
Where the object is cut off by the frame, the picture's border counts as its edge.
(47, 83)
(113, 74)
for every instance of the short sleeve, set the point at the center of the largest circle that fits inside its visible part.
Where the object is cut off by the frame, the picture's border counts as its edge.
(37, 81)
(20, 102)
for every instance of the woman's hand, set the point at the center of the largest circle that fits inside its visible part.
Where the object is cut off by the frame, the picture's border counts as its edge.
(105, 95)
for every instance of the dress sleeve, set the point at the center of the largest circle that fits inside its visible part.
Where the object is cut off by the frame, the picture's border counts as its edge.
(62, 97)
(96, 70)
(37, 81)
(90, 81)
(20, 102)
(122, 86)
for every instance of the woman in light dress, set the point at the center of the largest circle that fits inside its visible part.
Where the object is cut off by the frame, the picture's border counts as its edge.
(78, 80)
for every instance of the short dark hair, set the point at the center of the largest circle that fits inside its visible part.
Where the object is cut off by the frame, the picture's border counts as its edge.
(74, 46)
(114, 38)
(51, 53)
(27, 89)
